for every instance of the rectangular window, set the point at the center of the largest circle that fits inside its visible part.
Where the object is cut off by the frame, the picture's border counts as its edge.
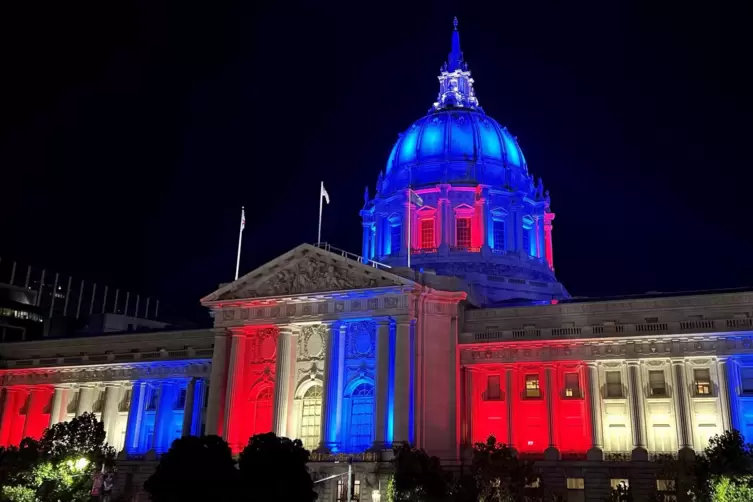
(151, 405)
(181, 402)
(463, 232)
(746, 374)
(576, 484)
(427, 234)
(499, 235)
(702, 382)
(656, 383)
(527, 240)
(572, 385)
(396, 237)
(614, 384)
(125, 403)
(492, 388)
(532, 386)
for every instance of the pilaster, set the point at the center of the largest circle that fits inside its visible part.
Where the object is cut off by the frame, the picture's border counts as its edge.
(282, 377)
(635, 387)
(381, 394)
(594, 393)
(508, 404)
(402, 383)
(110, 410)
(135, 417)
(682, 405)
(188, 408)
(724, 397)
(234, 390)
(329, 397)
(217, 383)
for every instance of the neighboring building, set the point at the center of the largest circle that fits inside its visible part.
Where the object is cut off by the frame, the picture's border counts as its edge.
(353, 355)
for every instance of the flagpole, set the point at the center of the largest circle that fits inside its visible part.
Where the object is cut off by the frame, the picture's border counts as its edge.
(319, 235)
(240, 240)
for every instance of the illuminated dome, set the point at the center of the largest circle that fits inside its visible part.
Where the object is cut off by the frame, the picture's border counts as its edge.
(439, 147)
(456, 200)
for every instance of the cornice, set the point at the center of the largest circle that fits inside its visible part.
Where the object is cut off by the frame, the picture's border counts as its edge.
(106, 372)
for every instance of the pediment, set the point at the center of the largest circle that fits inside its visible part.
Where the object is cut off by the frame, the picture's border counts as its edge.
(306, 270)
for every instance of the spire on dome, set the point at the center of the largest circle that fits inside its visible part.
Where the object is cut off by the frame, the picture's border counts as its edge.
(455, 58)
(455, 82)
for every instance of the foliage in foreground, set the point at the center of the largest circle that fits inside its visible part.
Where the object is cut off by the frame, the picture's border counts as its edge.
(202, 468)
(57, 467)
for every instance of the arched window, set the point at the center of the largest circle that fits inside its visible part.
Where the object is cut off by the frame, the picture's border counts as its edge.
(362, 417)
(311, 417)
(263, 411)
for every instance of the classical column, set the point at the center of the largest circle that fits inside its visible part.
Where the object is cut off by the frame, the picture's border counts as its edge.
(594, 394)
(682, 406)
(135, 414)
(548, 217)
(188, 410)
(337, 437)
(328, 395)
(217, 382)
(110, 412)
(57, 405)
(85, 399)
(550, 390)
(6, 420)
(381, 392)
(234, 390)
(723, 379)
(282, 375)
(636, 400)
(402, 383)
(508, 404)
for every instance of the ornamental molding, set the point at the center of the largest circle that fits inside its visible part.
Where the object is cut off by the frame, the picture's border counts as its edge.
(305, 270)
(695, 347)
(312, 343)
(106, 373)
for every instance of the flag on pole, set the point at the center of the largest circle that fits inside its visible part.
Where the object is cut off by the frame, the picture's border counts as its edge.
(243, 218)
(416, 199)
(323, 193)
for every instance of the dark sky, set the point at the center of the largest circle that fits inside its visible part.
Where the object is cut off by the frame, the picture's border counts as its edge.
(132, 132)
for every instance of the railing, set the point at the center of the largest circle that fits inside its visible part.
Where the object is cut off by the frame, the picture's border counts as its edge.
(351, 256)
(465, 249)
(658, 328)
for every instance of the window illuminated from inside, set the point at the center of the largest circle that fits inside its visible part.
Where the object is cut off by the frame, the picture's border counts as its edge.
(614, 384)
(396, 237)
(572, 385)
(311, 417)
(527, 240)
(427, 234)
(702, 382)
(499, 235)
(656, 383)
(463, 232)
(532, 386)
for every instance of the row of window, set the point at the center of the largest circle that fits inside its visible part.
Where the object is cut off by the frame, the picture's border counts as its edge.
(532, 387)
(657, 385)
(427, 240)
(614, 389)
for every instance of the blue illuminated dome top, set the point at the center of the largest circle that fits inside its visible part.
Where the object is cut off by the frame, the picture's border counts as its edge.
(456, 141)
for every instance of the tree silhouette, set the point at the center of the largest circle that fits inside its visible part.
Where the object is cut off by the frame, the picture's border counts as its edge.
(499, 474)
(195, 469)
(418, 477)
(274, 468)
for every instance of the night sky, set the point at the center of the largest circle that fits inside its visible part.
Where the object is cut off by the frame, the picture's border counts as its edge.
(132, 132)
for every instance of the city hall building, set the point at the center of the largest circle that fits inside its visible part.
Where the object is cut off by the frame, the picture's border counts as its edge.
(354, 354)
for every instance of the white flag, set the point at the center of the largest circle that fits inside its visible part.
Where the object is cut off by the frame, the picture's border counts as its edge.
(243, 218)
(323, 193)
(416, 199)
